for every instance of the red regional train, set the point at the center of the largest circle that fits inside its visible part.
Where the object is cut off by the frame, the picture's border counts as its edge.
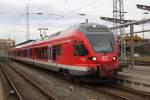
(83, 50)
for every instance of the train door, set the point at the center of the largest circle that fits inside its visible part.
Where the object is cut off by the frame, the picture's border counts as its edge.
(54, 53)
(49, 52)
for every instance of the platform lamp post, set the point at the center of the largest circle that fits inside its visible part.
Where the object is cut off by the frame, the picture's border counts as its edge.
(82, 14)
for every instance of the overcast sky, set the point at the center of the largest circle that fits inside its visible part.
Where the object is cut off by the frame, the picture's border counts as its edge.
(13, 18)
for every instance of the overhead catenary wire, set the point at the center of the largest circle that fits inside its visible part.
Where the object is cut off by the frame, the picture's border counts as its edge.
(23, 12)
(80, 8)
(85, 6)
(20, 16)
(76, 10)
(27, 21)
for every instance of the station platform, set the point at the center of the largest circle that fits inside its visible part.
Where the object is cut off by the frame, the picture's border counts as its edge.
(137, 78)
(1, 91)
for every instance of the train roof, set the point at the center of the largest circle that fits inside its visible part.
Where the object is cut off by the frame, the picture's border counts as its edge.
(85, 28)
(86, 25)
(55, 34)
(25, 42)
(94, 28)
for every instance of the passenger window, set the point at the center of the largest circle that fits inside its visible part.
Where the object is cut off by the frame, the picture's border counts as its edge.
(79, 49)
(44, 52)
(59, 49)
(54, 52)
(49, 52)
(25, 53)
(38, 53)
(30, 53)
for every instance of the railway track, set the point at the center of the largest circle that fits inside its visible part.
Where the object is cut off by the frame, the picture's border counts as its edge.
(17, 94)
(115, 92)
(24, 87)
(144, 94)
(119, 92)
(100, 90)
(126, 94)
(72, 82)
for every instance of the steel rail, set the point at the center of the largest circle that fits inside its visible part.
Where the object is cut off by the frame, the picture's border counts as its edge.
(97, 89)
(42, 90)
(141, 93)
(112, 94)
(100, 91)
(134, 91)
(129, 90)
(104, 92)
(11, 83)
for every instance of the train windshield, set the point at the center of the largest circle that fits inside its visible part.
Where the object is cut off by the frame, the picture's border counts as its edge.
(101, 43)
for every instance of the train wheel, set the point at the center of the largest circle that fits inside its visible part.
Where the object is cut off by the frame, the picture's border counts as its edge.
(66, 74)
(77, 79)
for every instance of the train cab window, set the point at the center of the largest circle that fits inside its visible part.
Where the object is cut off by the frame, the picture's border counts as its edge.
(79, 49)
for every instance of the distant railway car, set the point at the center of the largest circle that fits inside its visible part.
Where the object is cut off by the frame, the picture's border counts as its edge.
(83, 50)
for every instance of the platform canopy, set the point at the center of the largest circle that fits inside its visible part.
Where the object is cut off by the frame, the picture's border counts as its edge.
(115, 20)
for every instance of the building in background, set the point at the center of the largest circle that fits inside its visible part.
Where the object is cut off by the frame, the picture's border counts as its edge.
(146, 48)
(141, 46)
(5, 45)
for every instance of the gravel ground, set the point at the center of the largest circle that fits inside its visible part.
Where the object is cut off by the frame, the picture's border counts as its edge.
(62, 89)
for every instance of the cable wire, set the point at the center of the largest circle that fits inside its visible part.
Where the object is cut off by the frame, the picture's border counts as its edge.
(89, 4)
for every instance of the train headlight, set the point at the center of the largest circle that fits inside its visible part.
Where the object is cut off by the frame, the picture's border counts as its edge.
(114, 58)
(94, 58)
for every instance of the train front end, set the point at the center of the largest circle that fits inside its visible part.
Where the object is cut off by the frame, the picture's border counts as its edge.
(103, 47)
